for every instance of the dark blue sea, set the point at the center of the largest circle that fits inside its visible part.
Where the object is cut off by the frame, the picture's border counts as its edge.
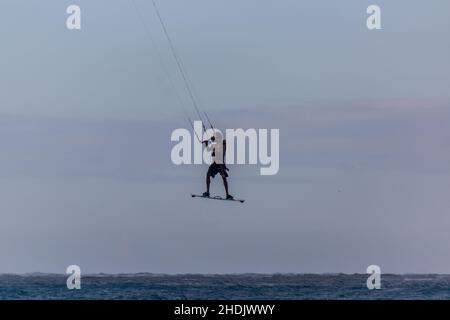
(242, 286)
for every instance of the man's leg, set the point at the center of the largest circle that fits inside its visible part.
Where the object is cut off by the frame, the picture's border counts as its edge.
(225, 184)
(208, 181)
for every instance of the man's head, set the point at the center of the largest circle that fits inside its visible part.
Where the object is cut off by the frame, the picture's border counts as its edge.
(217, 137)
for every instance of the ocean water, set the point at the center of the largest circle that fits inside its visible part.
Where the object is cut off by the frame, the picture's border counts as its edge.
(242, 286)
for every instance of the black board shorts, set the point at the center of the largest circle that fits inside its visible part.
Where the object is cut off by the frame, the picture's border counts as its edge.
(215, 168)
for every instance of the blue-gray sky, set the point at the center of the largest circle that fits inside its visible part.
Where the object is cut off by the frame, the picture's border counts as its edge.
(86, 117)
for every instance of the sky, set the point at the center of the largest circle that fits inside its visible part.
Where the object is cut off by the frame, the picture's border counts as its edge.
(86, 118)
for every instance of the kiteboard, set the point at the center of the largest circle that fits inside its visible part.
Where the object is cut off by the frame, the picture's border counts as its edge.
(216, 198)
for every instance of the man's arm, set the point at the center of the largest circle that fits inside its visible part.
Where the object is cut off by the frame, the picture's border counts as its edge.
(207, 145)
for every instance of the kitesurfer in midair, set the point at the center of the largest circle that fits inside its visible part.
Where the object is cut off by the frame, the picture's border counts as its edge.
(217, 146)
